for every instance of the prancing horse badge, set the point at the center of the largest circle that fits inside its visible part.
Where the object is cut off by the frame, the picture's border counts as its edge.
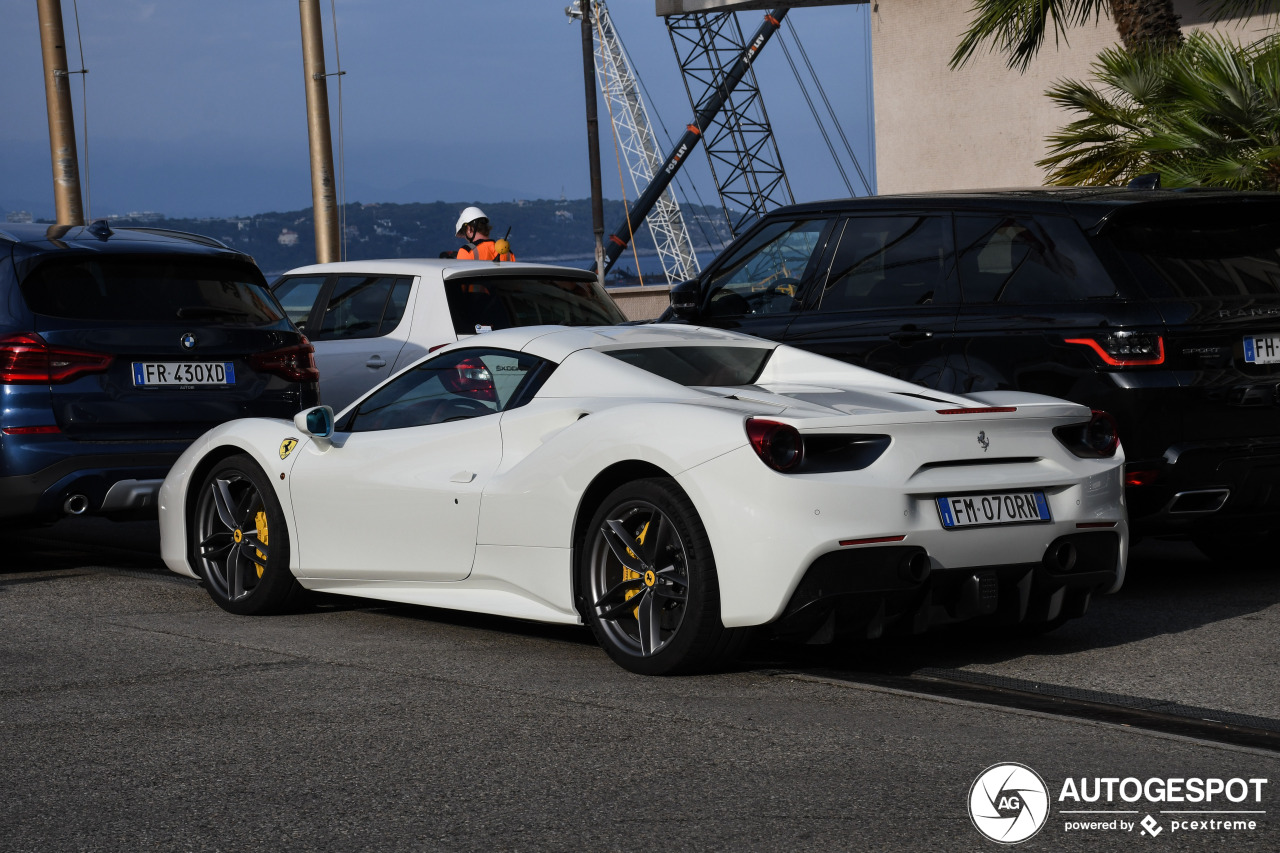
(983, 441)
(287, 446)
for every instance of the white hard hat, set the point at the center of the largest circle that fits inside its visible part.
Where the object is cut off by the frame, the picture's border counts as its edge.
(471, 214)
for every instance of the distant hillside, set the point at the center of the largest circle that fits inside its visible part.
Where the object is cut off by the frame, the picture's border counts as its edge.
(542, 230)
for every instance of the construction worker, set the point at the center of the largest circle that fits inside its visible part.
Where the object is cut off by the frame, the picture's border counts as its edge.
(473, 226)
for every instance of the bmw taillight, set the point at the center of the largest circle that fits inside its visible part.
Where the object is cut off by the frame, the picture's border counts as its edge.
(26, 359)
(1125, 349)
(1097, 438)
(296, 363)
(777, 444)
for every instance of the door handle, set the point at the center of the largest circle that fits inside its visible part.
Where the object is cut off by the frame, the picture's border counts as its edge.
(462, 477)
(910, 334)
(375, 362)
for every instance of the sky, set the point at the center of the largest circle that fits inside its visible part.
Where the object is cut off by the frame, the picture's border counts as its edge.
(198, 108)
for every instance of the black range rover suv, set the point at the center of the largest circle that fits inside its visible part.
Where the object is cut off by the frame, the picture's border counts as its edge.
(1160, 307)
(118, 348)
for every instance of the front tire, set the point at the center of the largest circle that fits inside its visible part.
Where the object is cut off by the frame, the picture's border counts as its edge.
(240, 545)
(648, 582)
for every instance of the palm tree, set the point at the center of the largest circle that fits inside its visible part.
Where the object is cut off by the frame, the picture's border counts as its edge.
(1205, 115)
(1018, 28)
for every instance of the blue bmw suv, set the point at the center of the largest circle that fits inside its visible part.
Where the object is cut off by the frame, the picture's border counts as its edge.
(118, 348)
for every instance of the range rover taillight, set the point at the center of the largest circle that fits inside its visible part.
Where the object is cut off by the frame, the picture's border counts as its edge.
(26, 359)
(296, 363)
(777, 444)
(1097, 438)
(1125, 349)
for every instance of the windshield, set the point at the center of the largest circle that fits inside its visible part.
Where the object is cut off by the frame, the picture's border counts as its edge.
(482, 305)
(1203, 251)
(150, 290)
(698, 365)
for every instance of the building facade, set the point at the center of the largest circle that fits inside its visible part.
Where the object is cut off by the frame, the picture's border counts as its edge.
(984, 125)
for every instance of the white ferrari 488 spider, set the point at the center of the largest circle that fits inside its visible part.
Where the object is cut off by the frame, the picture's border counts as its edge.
(669, 486)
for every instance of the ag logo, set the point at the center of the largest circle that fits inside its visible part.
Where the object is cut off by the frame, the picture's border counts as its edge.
(983, 441)
(287, 446)
(1008, 803)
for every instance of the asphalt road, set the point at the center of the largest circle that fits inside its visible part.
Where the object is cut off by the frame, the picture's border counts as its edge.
(134, 714)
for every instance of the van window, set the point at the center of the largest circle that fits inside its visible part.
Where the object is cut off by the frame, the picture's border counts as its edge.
(1202, 250)
(1017, 259)
(150, 290)
(485, 304)
(765, 274)
(889, 262)
(362, 306)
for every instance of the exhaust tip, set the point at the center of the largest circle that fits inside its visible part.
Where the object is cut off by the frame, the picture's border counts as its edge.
(915, 567)
(1062, 557)
(75, 505)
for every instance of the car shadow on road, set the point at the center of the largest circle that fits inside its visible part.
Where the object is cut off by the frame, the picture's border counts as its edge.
(79, 542)
(1170, 588)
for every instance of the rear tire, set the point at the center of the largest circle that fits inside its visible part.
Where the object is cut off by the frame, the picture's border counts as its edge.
(239, 542)
(648, 583)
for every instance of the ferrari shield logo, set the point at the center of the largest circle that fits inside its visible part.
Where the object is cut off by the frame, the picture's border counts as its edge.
(287, 446)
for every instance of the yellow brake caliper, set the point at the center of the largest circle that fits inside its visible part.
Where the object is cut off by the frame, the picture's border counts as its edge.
(628, 574)
(260, 522)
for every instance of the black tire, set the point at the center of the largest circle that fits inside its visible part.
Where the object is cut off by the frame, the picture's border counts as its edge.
(239, 541)
(674, 626)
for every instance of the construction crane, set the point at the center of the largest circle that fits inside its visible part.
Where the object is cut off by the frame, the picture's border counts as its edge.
(741, 151)
(707, 109)
(638, 145)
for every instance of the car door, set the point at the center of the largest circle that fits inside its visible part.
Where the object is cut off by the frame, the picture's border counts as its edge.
(358, 329)
(760, 283)
(397, 495)
(888, 299)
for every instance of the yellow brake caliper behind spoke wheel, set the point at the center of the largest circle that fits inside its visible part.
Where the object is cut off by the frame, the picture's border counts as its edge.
(260, 522)
(628, 574)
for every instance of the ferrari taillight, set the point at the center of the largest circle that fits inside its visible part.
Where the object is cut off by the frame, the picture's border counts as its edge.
(25, 359)
(1098, 438)
(296, 363)
(777, 444)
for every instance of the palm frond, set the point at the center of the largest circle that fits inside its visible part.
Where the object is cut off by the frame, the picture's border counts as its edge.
(1018, 28)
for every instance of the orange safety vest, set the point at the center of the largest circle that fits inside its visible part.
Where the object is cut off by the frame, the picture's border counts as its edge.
(484, 251)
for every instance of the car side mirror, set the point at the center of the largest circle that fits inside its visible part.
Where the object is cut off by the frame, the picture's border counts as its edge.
(685, 299)
(316, 422)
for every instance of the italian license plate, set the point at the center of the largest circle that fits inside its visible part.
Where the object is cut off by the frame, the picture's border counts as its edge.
(1262, 349)
(998, 508)
(184, 373)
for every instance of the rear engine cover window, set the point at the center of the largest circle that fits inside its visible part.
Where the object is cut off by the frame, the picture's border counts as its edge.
(482, 305)
(1203, 250)
(698, 365)
(135, 291)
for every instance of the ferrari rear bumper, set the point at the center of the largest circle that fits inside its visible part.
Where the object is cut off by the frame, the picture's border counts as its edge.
(891, 590)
